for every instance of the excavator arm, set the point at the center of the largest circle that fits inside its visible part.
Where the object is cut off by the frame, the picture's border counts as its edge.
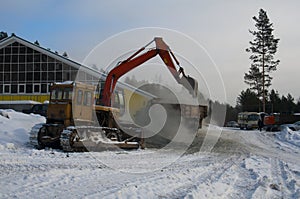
(133, 61)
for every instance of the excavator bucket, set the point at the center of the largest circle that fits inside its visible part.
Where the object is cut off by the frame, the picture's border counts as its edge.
(190, 84)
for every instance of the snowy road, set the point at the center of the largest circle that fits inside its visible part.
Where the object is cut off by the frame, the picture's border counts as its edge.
(243, 164)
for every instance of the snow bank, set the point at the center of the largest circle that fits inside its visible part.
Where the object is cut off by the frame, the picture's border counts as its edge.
(15, 127)
(287, 135)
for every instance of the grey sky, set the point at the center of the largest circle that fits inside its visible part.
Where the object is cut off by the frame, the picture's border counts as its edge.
(221, 27)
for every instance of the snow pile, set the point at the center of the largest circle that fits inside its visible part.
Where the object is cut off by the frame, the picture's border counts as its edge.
(15, 127)
(290, 136)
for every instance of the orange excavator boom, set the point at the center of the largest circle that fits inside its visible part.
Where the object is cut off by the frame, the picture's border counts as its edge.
(163, 50)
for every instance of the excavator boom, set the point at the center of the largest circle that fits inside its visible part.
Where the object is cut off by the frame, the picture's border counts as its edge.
(163, 50)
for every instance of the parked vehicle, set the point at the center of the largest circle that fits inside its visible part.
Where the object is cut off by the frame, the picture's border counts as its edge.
(232, 124)
(273, 122)
(297, 124)
(292, 127)
(37, 109)
(248, 120)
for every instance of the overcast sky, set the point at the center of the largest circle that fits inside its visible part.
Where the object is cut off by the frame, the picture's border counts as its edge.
(221, 27)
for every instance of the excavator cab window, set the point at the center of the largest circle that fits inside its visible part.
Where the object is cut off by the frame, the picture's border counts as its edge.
(99, 96)
(119, 101)
(99, 91)
(56, 94)
(122, 102)
(68, 92)
(116, 102)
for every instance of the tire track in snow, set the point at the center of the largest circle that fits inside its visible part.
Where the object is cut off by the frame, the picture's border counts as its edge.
(234, 181)
(278, 176)
(38, 174)
(216, 182)
(174, 182)
(287, 179)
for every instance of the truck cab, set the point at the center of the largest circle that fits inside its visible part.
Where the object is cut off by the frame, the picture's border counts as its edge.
(248, 120)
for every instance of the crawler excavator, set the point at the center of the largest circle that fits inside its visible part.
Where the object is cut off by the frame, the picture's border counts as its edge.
(82, 117)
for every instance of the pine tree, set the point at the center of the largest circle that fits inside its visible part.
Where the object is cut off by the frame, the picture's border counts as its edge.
(65, 55)
(291, 106)
(3, 35)
(37, 43)
(262, 49)
(247, 101)
(275, 101)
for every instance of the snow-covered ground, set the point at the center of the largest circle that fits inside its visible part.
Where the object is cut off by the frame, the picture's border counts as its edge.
(243, 164)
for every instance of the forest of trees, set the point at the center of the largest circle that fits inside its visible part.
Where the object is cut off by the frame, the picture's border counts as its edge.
(248, 101)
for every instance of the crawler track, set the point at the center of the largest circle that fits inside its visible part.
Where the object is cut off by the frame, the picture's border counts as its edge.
(33, 135)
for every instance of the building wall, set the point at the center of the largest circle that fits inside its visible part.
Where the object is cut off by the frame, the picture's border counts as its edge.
(37, 97)
(25, 73)
(133, 103)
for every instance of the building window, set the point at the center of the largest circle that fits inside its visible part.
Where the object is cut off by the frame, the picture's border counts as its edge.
(22, 67)
(29, 50)
(44, 88)
(50, 66)
(21, 88)
(14, 67)
(37, 57)
(58, 76)
(15, 50)
(14, 88)
(21, 58)
(15, 58)
(73, 75)
(66, 76)
(8, 50)
(44, 76)
(29, 67)
(7, 67)
(58, 67)
(37, 76)
(7, 58)
(44, 58)
(7, 77)
(21, 77)
(44, 66)
(6, 88)
(22, 50)
(29, 76)
(14, 77)
(36, 88)
(29, 88)
(51, 76)
(29, 58)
